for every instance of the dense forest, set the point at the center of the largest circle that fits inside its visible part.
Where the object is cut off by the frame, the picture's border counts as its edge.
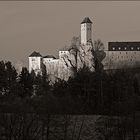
(28, 104)
(98, 92)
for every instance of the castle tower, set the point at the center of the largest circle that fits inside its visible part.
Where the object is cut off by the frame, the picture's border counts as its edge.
(86, 31)
(35, 62)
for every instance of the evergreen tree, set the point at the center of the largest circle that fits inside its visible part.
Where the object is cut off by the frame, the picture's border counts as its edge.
(40, 82)
(45, 80)
(2, 77)
(8, 76)
(25, 83)
(11, 77)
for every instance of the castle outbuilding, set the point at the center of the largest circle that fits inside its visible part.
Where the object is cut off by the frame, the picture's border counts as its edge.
(123, 55)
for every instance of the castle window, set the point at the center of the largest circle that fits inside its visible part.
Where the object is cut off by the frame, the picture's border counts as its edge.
(119, 48)
(113, 48)
(126, 52)
(33, 59)
(120, 52)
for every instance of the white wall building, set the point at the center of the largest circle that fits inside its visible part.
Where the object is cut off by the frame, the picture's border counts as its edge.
(35, 62)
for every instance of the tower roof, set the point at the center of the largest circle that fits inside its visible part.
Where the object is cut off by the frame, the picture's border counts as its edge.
(86, 20)
(35, 54)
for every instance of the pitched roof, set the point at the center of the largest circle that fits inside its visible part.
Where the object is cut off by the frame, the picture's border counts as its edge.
(35, 54)
(86, 20)
(49, 56)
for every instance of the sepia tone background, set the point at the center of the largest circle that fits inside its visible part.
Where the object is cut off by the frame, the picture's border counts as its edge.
(48, 26)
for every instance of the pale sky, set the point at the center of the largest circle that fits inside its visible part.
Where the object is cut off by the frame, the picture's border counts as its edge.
(46, 26)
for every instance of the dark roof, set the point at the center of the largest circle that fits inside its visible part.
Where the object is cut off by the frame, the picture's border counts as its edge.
(86, 20)
(49, 56)
(35, 54)
(124, 46)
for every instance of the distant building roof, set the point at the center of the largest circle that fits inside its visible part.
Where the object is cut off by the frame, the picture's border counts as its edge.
(124, 46)
(86, 20)
(49, 56)
(35, 54)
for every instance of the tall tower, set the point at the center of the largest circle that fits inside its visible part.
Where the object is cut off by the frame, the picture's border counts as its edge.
(86, 31)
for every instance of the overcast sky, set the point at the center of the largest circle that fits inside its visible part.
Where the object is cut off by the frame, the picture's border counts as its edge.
(46, 26)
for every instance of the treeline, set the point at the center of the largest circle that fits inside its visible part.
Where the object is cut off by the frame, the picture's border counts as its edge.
(99, 92)
(20, 85)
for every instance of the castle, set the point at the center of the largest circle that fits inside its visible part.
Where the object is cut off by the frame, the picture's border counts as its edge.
(118, 55)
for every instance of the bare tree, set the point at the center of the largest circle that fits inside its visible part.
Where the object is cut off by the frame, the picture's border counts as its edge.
(98, 55)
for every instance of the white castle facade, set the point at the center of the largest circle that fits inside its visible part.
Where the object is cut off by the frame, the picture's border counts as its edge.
(118, 55)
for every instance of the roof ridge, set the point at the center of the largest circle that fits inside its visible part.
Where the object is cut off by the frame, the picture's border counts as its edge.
(37, 54)
(86, 20)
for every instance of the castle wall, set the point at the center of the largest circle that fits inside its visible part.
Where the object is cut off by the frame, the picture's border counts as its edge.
(51, 66)
(64, 69)
(119, 59)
